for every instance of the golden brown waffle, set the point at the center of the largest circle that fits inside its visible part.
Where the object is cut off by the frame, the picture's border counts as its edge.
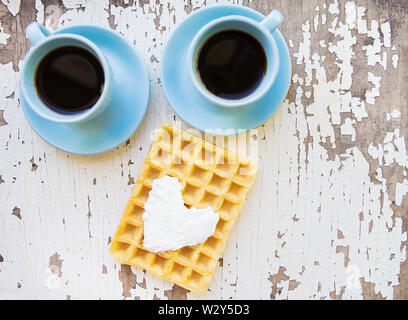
(209, 175)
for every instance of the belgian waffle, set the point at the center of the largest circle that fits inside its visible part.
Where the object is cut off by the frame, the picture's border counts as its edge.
(209, 175)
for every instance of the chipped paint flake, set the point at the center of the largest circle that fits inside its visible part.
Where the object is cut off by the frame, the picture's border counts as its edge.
(3, 36)
(39, 6)
(395, 114)
(351, 14)
(316, 22)
(324, 18)
(347, 192)
(361, 22)
(401, 189)
(334, 7)
(395, 60)
(374, 51)
(54, 272)
(386, 31)
(375, 91)
(12, 5)
(347, 128)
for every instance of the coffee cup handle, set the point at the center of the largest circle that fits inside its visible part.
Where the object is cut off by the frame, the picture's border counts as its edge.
(273, 20)
(36, 33)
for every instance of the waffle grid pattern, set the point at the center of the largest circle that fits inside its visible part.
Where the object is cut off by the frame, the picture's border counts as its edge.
(209, 175)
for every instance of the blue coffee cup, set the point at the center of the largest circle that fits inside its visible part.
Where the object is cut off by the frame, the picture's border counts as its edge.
(261, 31)
(43, 43)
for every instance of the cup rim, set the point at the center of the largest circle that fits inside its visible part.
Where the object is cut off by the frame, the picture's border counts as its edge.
(53, 115)
(195, 48)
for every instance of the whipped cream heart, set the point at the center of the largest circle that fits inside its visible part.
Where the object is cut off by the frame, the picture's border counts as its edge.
(168, 224)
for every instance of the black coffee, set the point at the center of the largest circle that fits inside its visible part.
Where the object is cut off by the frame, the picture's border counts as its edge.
(231, 64)
(69, 79)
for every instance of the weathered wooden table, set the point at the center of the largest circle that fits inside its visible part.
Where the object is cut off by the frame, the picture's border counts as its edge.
(327, 218)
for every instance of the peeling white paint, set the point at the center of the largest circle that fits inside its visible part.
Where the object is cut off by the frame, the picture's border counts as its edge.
(375, 91)
(391, 151)
(83, 11)
(12, 5)
(347, 128)
(324, 18)
(386, 31)
(154, 285)
(316, 22)
(360, 199)
(334, 7)
(3, 36)
(373, 51)
(361, 22)
(350, 14)
(401, 189)
(395, 60)
(39, 6)
(395, 114)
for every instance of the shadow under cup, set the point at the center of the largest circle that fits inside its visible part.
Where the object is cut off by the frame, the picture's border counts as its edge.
(35, 96)
(241, 25)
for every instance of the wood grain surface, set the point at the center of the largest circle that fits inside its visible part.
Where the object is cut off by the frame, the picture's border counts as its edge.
(327, 218)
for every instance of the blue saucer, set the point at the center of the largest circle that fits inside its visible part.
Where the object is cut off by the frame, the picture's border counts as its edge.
(131, 94)
(188, 103)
